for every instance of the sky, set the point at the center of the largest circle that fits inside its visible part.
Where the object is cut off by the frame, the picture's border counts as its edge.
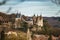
(31, 7)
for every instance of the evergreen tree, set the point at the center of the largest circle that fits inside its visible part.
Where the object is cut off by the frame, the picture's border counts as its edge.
(2, 35)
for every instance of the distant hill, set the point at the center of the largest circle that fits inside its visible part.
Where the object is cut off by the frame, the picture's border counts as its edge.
(53, 21)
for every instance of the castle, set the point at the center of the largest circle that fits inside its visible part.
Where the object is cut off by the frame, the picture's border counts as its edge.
(17, 20)
(38, 21)
(35, 20)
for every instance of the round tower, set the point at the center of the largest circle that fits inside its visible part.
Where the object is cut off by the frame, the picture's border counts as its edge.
(34, 19)
(17, 20)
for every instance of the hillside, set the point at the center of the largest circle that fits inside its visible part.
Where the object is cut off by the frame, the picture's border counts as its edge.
(53, 21)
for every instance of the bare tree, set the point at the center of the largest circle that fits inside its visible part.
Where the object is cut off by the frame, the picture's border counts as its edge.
(9, 9)
(3, 2)
(56, 2)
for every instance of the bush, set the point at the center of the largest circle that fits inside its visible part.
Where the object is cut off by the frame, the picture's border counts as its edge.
(20, 36)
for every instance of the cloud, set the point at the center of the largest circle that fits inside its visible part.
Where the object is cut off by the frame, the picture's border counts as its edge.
(45, 8)
(31, 7)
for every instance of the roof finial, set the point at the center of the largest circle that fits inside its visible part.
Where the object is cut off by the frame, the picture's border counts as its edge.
(34, 14)
(17, 12)
(37, 15)
(20, 14)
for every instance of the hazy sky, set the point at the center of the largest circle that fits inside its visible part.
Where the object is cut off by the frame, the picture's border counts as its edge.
(31, 7)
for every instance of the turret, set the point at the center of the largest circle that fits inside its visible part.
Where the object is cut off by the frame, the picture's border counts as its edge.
(18, 20)
(34, 19)
(18, 15)
(39, 20)
(41, 17)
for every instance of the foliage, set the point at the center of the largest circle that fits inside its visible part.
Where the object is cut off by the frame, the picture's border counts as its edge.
(0, 22)
(56, 2)
(59, 19)
(20, 36)
(2, 35)
(47, 29)
(50, 37)
(24, 25)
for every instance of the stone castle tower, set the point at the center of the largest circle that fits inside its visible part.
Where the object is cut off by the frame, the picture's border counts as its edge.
(34, 19)
(18, 20)
(38, 21)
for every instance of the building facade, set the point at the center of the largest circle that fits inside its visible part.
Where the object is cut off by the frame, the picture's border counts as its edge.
(38, 21)
(18, 20)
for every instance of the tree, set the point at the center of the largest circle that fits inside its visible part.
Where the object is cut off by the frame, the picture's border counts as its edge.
(0, 22)
(50, 35)
(2, 3)
(46, 27)
(2, 35)
(24, 25)
(56, 2)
